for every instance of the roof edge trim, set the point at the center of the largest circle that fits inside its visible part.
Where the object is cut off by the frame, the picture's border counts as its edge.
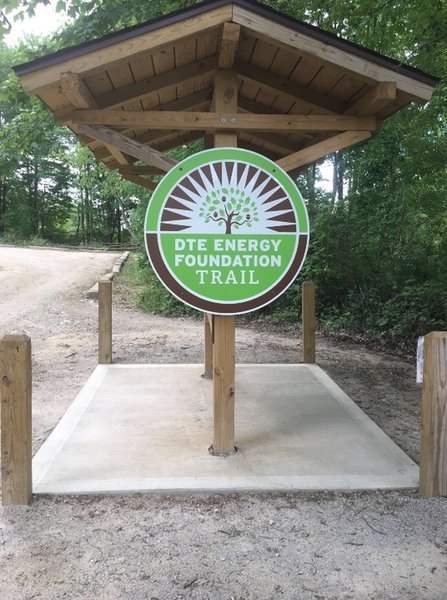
(199, 9)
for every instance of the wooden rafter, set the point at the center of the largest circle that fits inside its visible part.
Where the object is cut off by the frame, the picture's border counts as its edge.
(363, 69)
(228, 45)
(150, 185)
(252, 106)
(119, 53)
(278, 143)
(125, 144)
(247, 142)
(222, 121)
(313, 153)
(76, 91)
(157, 84)
(118, 155)
(150, 137)
(141, 170)
(374, 100)
(197, 101)
(188, 102)
(286, 87)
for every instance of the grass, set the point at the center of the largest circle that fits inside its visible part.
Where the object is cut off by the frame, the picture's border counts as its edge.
(129, 284)
(138, 287)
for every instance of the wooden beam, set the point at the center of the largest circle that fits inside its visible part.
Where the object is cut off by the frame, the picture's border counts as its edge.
(247, 105)
(118, 155)
(91, 62)
(289, 38)
(76, 91)
(433, 462)
(313, 153)
(15, 408)
(197, 101)
(374, 100)
(222, 121)
(291, 89)
(125, 144)
(158, 83)
(167, 141)
(228, 45)
(138, 180)
(141, 170)
(149, 137)
(225, 100)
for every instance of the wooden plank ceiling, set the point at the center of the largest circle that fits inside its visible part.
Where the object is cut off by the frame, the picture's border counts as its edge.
(300, 96)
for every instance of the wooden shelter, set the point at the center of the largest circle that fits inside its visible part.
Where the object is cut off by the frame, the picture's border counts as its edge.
(233, 73)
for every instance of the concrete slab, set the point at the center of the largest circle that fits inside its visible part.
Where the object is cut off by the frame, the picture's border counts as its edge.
(148, 427)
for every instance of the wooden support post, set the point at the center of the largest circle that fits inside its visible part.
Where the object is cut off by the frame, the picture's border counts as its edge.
(207, 318)
(104, 322)
(208, 350)
(433, 462)
(15, 398)
(225, 100)
(223, 360)
(308, 320)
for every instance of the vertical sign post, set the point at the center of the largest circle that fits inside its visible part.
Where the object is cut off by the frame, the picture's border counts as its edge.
(224, 339)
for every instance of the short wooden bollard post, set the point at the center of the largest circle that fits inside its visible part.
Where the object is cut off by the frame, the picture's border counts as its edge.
(104, 322)
(223, 375)
(433, 461)
(15, 398)
(308, 321)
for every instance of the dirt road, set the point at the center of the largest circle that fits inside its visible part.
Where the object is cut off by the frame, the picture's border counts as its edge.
(31, 278)
(221, 547)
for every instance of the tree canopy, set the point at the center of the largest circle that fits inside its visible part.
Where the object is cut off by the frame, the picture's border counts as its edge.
(379, 236)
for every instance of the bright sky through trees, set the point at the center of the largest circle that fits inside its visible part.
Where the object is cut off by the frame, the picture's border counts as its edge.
(45, 21)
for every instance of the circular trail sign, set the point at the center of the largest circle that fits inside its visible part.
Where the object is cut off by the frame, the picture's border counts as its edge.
(226, 231)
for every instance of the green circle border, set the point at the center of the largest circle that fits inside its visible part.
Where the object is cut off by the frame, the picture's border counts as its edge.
(183, 168)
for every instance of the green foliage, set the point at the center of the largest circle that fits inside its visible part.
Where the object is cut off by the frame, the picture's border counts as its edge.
(378, 242)
(230, 208)
(155, 298)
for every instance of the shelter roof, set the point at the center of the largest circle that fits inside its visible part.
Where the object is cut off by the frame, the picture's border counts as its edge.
(302, 93)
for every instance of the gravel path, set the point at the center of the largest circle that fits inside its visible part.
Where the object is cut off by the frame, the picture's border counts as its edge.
(243, 547)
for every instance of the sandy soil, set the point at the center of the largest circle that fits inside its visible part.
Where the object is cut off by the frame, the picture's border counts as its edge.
(249, 546)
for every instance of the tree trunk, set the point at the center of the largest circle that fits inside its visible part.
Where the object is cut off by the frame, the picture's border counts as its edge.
(127, 225)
